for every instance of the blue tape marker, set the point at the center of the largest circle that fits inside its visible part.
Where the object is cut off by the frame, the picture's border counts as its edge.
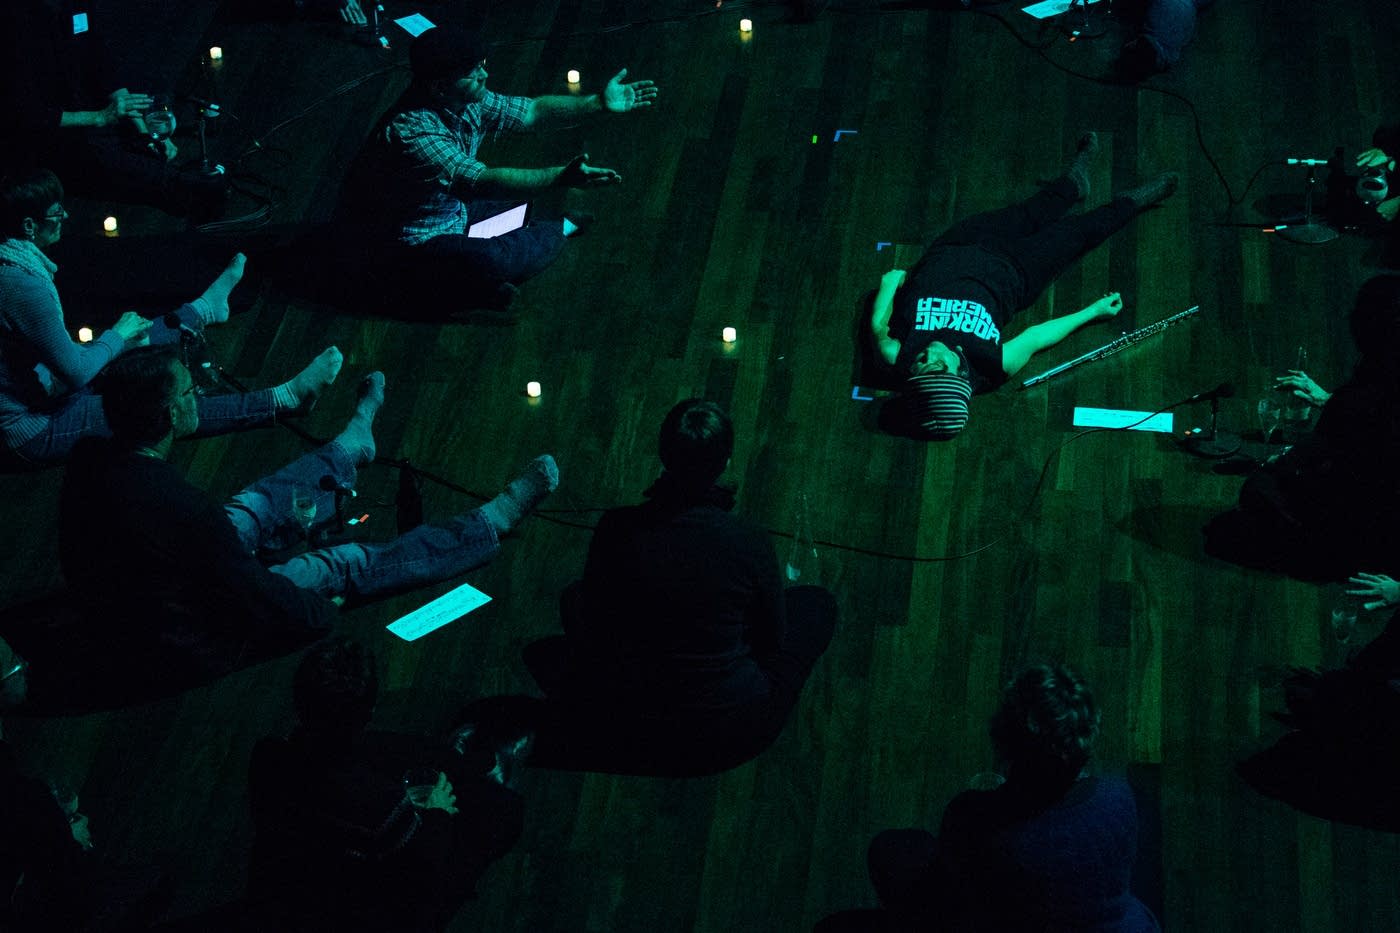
(881, 245)
(855, 394)
(837, 137)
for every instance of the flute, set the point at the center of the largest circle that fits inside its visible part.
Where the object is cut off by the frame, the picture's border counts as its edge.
(1108, 349)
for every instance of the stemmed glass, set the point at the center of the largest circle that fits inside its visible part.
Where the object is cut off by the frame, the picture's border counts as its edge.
(1270, 413)
(304, 508)
(160, 119)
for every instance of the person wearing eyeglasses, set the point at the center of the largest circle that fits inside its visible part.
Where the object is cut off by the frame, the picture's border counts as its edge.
(47, 395)
(938, 326)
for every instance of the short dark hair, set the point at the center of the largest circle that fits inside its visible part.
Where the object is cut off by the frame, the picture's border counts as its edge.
(335, 687)
(445, 53)
(1045, 727)
(697, 440)
(28, 194)
(137, 388)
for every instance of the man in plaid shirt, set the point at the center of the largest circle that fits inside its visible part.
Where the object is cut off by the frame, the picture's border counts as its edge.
(419, 183)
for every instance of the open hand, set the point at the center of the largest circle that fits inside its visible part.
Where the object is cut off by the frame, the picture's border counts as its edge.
(619, 97)
(579, 174)
(1374, 157)
(1302, 385)
(1378, 590)
(1388, 209)
(351, 13)
(124, 105)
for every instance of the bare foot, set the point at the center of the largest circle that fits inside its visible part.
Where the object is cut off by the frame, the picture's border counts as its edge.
(216, 295)
(1107, 306)
(358, 436)
(306, 386)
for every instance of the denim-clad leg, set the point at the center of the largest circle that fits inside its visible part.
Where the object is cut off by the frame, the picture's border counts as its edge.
(262, 513)
(511, 257)
(427, 554)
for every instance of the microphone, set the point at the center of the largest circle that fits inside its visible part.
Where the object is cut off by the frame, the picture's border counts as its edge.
(1224, 390)
(331, 484)
(194, 352)
(1305, 161)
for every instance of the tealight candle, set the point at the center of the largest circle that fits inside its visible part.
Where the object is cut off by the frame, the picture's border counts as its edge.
(109, 224)
(746, 25)
(532, 389)
(730, 335)
(573, 76)
(84, 335)
(216, 54)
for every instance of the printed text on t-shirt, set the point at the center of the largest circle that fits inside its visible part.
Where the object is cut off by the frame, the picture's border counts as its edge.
(968, 317)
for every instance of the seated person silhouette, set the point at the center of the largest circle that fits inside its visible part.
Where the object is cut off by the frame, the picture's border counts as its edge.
(1337, 483)
(682, 652)
(364, 830)
(1050, 848)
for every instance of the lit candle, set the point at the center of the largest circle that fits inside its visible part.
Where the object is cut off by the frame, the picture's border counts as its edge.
(84, 335)
(216, 54)
(573, 76)
(746, 26)
(532, 389)
(730, 335)
(109, 224)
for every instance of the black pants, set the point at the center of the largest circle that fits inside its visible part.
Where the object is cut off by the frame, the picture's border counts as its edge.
(1038, 236)
(592, 735)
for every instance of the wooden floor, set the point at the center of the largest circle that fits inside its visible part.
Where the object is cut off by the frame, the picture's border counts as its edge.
(741, 208)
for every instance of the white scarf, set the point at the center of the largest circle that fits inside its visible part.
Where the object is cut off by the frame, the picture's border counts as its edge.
(26, 255)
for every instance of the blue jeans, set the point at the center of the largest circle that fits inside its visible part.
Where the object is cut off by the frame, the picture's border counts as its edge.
(262, 516)
(511, 257)
(80, 413)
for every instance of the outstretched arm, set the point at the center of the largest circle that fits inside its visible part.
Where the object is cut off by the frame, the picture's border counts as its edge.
(576, 174)
(1017, 351)
(881, 309)
(618, 97)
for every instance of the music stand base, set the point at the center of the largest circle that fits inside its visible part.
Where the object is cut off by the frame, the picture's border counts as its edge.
(1309, 233)
(1219, 447)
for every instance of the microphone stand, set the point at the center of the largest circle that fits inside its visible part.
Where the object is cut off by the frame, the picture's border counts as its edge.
(1213, 444)
(1310, 230)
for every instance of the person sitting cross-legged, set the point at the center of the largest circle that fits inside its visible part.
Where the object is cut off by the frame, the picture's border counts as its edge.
(682, 652)
(418, 185)
(164, 568)
(344, 840)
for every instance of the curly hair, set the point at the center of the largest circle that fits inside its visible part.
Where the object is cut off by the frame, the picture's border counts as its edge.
(1046, 724)
(335, 687)
(26, 195)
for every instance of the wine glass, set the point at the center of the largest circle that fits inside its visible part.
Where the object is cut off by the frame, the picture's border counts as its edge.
(1270, 412)
(304, 507)
(160, 119)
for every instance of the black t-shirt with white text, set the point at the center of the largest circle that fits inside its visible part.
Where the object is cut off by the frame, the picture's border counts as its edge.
(957, 296)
